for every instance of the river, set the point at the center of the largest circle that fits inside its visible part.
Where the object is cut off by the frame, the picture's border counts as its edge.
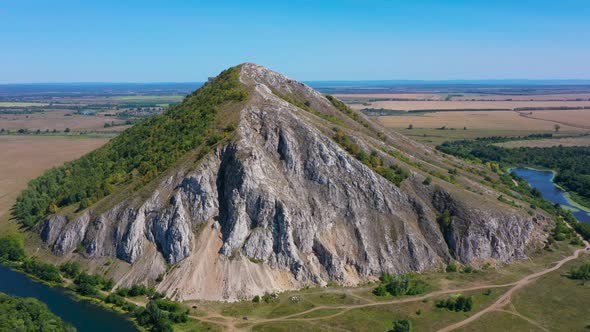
(543, 181)
(83, 315)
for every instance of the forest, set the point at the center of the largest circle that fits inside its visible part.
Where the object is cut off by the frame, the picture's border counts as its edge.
(572, 164)
(29, 315)
(138, 155)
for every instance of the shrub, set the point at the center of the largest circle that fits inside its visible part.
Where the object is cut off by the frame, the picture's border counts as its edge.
(401, 325)
(456, 303)
(43, 271)
(11, 248)
(380, 290)
(581, 272)
(70, 269)
(256, 299)
(452, 267)
(404, 284)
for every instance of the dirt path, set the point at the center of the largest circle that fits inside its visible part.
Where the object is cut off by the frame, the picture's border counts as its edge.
(230, 322)
(506, 297)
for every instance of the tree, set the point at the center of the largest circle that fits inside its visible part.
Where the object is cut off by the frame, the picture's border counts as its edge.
(411, 126)
(557, 127)
(67, 130)
(380, 290)
(11, 248)
(401, 325)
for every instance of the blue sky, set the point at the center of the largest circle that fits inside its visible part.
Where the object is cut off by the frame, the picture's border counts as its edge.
(147, 41)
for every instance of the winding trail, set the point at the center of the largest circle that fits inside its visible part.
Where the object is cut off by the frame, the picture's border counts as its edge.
(231, 323)
(506, 297)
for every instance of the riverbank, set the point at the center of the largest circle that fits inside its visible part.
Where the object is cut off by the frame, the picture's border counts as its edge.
(573, 199)
(83, 313)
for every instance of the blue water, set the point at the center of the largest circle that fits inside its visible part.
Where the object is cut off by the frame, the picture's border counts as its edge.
(542, 180)
(84, 316)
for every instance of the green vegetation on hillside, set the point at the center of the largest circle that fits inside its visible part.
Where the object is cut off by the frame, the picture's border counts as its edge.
(347, 110)
(28, 315)
(394, 173)
(139, 154)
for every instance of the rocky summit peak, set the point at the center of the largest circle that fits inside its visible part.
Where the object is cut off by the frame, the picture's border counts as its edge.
(292, 189)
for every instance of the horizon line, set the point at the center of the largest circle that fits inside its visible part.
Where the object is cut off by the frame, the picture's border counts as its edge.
(481, 80)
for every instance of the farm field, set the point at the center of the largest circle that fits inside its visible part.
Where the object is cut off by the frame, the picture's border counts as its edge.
(58, 120)
(576, 118)
(546, 143)
(20, 104)
(467, 105)
(504, 120)
(25, 157)
(465, 96)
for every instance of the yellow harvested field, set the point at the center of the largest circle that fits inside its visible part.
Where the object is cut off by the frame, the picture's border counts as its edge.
(452, 105)
(505, 120)
(56, 120)
(576, 118)
(351, 96)
(545, 143)
(20, 104)
(23, 158)
(565, 96)
(468, 97)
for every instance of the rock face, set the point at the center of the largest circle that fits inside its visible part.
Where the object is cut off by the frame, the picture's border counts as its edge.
(282, 206)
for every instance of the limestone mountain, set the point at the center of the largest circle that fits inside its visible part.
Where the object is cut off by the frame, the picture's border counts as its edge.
(257, 183)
